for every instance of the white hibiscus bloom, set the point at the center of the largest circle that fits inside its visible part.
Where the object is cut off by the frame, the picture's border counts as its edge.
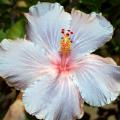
(54, 67)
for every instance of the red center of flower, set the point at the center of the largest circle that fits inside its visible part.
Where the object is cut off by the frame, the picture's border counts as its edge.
(64, 64)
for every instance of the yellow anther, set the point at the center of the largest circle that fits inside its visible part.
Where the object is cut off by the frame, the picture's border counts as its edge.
(65, 42)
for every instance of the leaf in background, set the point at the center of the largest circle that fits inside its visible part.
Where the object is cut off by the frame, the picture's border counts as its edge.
(114, 2)
(17, 30)
(94, 5)
(5, 2)
(2, 35)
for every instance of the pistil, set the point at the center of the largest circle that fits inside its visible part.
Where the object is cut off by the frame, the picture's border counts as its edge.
(65, 49)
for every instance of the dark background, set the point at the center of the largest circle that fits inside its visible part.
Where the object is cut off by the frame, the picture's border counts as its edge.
(12, 25)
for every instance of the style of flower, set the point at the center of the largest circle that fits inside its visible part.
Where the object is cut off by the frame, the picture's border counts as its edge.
(54, 67)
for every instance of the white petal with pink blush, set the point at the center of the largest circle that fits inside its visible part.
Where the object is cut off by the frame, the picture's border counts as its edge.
(54, 66)
(56, 97)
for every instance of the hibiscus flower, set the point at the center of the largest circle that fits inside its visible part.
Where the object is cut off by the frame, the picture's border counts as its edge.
(54, 67)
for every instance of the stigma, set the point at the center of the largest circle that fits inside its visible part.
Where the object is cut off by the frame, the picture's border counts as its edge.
(66, 42)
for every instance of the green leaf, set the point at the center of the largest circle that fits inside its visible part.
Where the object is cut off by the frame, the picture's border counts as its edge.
(17, 30)
(5, 2)
(2, 35)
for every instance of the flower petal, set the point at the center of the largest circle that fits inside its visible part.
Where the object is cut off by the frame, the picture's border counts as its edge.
(42, 8)
(110, 61)
(98, 80)
(91, 31)
(48, 27)
(22, 62)
(55, 98)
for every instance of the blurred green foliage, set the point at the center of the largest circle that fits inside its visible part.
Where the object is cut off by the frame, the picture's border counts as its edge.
(16, 30)
(12, 21)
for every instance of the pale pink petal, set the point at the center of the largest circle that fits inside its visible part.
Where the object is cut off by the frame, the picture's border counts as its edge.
(98, 80)
(110, 60)
(91, 31)
(22, 62)
(53, 98)
(47, 28)
(42, 8)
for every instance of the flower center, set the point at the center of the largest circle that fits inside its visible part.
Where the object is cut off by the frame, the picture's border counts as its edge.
(65, 63)
(65, 48)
